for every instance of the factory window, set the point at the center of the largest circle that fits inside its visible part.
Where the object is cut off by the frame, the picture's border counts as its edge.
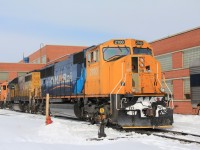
(44, 59)
(187, 88)
(190, 55)
(4, 75)
(165, 61)
(34, 61)
(170, 86)
(38, 61)
(21, 73)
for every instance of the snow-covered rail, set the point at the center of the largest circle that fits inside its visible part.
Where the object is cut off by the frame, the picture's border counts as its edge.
(180, 136)
(175, 138)
(173, 135)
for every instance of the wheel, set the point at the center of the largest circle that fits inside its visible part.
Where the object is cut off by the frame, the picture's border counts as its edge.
(77, 110)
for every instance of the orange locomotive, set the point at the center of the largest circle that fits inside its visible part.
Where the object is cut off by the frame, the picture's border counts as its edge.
(125, 74)
(3, 93)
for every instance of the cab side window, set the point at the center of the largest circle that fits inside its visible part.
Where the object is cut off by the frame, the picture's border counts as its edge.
(93, 56)
(4, 87)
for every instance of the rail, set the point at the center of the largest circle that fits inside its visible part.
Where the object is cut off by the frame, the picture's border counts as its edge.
(183, 137)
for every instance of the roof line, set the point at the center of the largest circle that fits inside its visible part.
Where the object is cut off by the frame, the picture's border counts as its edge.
(50, 62)
(63, 45)
(176, 34)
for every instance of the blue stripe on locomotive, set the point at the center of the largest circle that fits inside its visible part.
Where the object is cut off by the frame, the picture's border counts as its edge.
(68, 79)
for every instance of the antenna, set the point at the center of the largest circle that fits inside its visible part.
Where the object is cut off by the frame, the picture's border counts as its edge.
(23, 57)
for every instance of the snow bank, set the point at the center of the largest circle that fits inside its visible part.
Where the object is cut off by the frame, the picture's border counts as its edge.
(28, 131)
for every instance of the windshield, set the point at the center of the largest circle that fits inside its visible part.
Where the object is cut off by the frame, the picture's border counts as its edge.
(137, 50)
(115, 52)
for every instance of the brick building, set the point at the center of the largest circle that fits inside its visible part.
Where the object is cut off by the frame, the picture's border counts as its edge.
(45, 55)
(50, 53)
(8, 71)
(175, 54)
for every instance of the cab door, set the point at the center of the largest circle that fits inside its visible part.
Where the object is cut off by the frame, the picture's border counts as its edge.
(93, 73)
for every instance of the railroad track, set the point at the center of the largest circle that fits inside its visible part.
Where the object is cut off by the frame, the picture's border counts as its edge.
(177, 135)
(168, 134)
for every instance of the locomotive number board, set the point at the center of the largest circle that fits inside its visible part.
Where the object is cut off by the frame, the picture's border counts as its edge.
(119, 42)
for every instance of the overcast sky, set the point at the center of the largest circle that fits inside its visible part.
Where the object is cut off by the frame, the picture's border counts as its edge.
(25, 24)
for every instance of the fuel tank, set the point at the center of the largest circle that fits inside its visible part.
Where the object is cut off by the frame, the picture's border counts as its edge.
(62, 109)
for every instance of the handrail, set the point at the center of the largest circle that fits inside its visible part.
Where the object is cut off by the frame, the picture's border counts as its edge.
(166, 86)
(118, 92)
(169, 92)
(157, 75)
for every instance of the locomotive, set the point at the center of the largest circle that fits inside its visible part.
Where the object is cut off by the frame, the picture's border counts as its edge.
(3, 93)
(119, 78)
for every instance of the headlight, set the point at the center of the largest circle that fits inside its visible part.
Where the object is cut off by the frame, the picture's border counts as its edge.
(162, 89)
(141, 65)
(135, 90)
(142, 60)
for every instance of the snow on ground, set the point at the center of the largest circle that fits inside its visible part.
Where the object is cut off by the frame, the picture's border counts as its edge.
(28, 131)
(187, 123)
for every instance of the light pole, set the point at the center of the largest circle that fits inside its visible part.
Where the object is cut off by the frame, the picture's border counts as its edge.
(41, 45)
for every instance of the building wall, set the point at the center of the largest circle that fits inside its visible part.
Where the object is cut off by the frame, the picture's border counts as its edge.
(46, 55)
(62, 51)
(49, 53)
(175, 54)
(9, 71)
(177, 42)
(177, 60)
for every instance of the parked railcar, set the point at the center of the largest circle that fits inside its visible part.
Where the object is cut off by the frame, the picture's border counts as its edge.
(195, 84)
(24, 92)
